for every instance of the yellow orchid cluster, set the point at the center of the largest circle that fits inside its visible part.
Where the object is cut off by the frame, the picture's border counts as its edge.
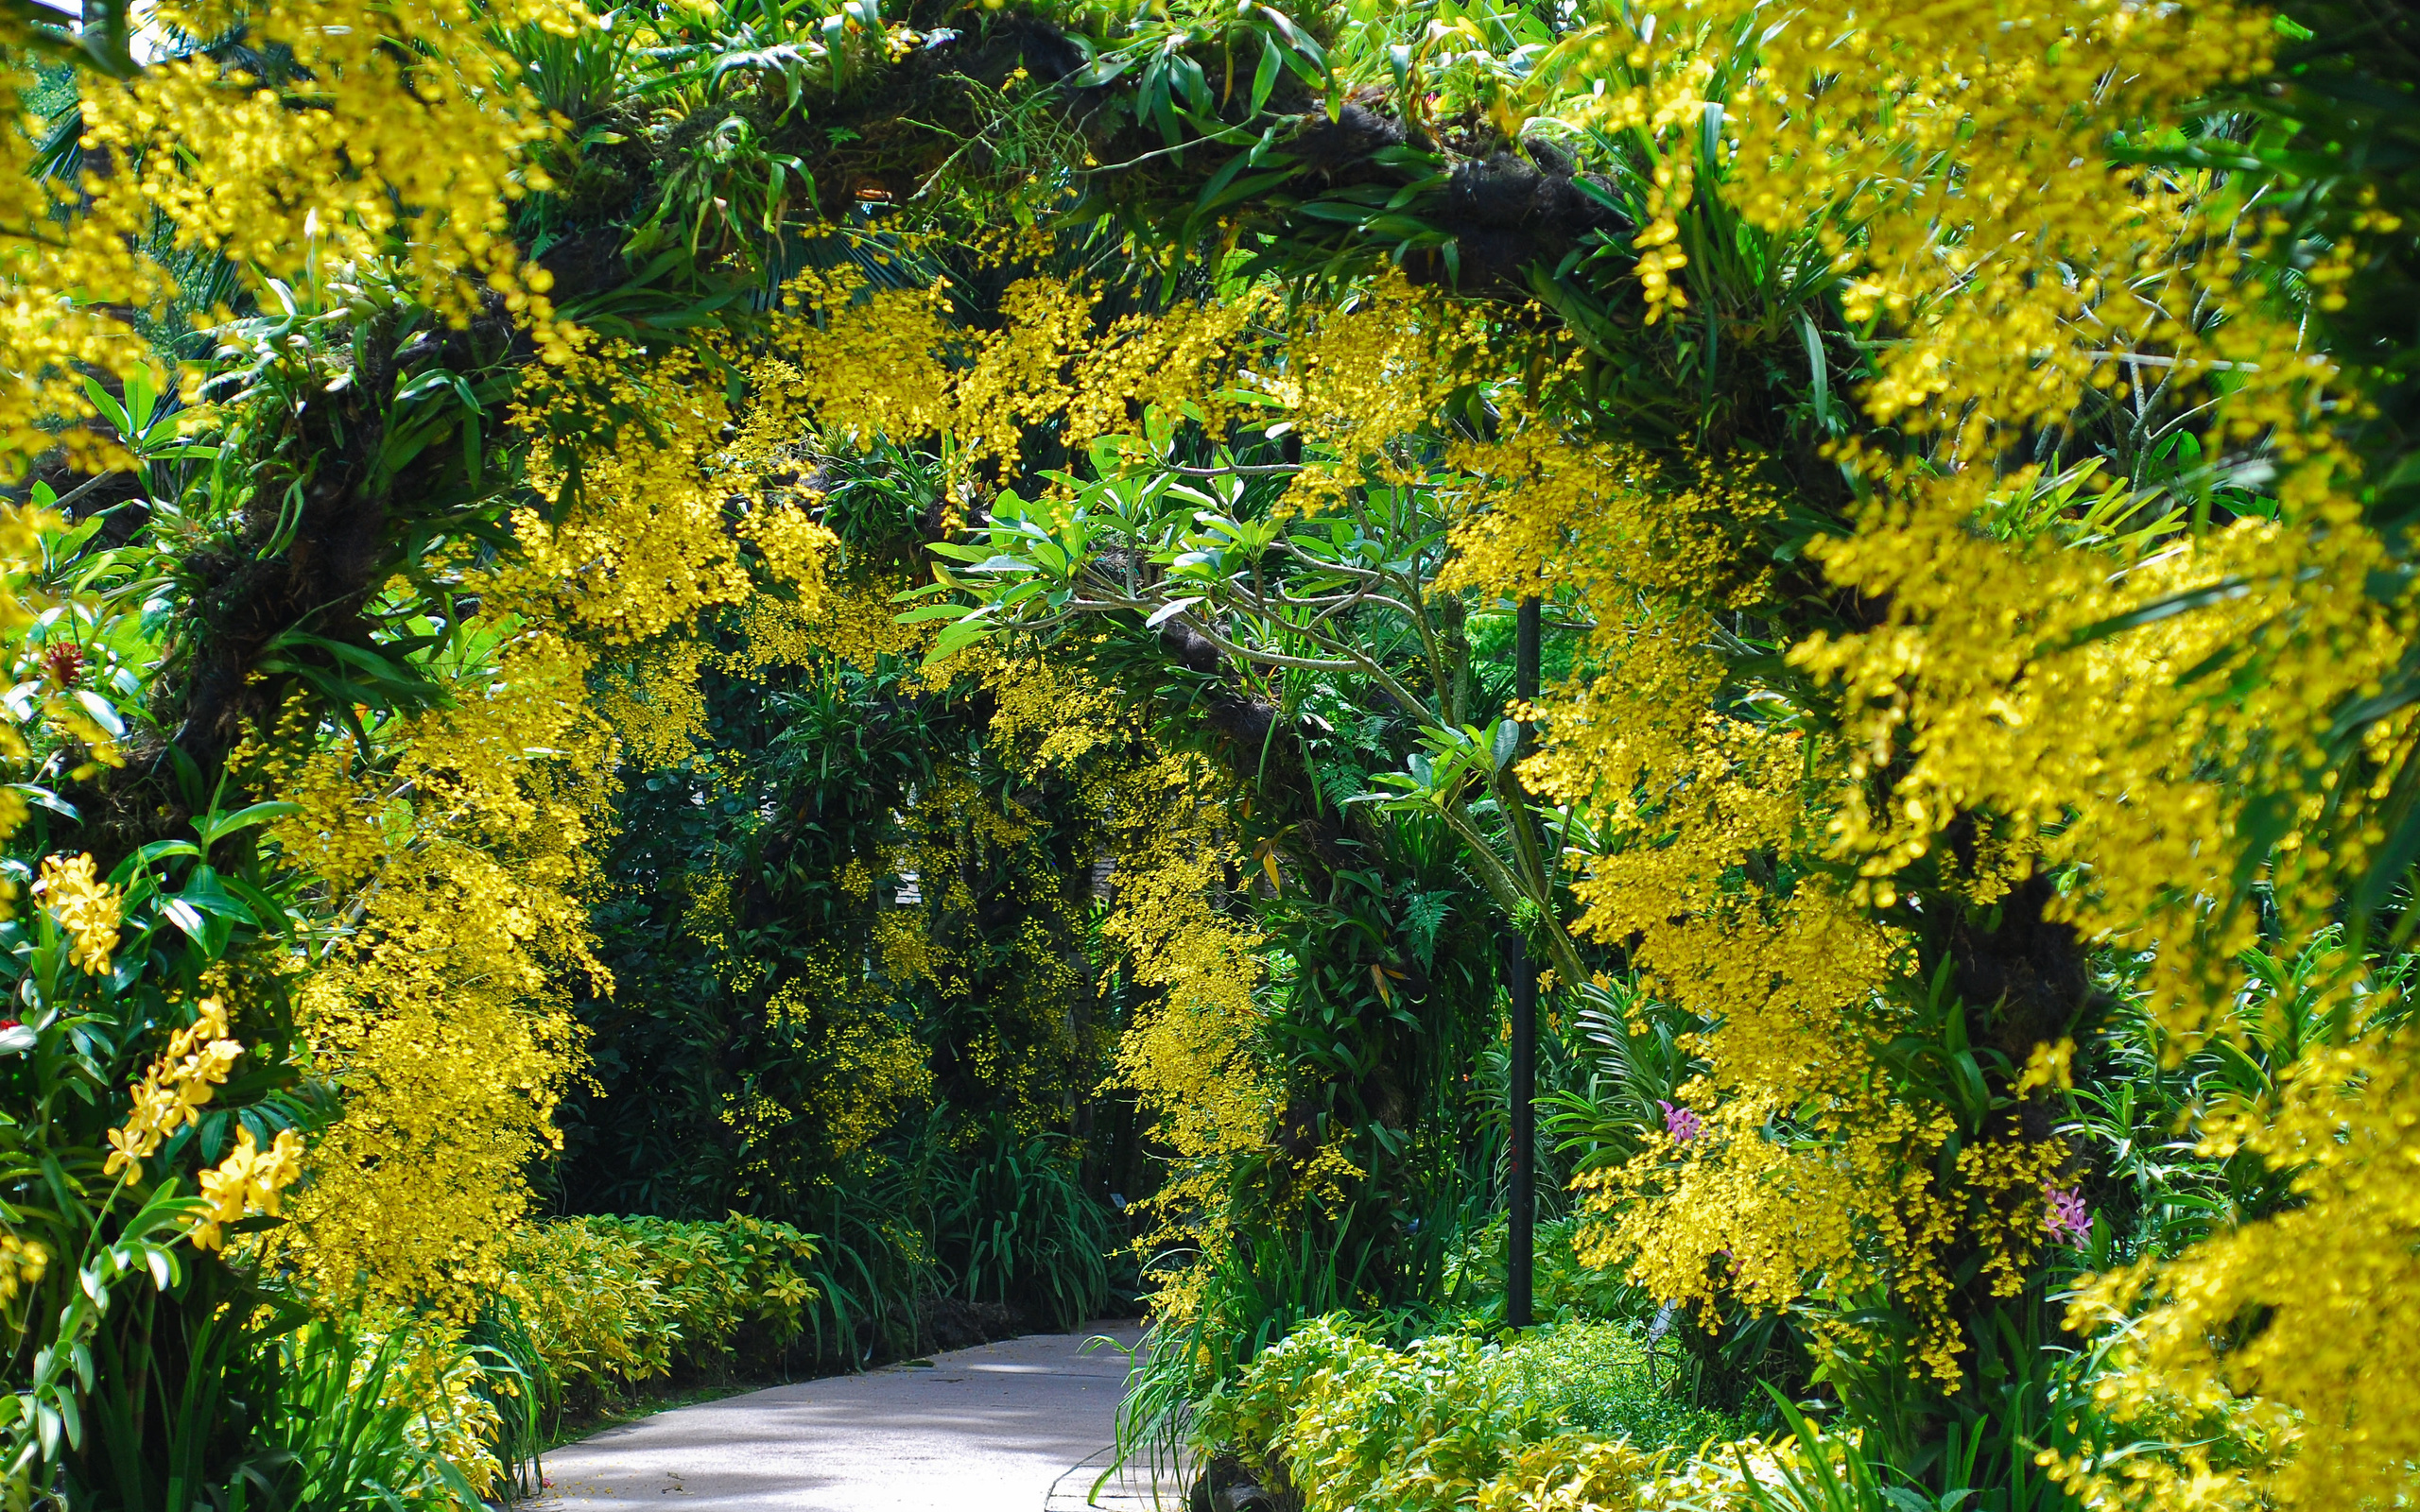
(1196, 1059)
(443, 1016)
(2021, 280)
(2335, 1277)
(2018, 280)
(384, 131)
(22, 528)
(171, 1094)
(247, 1181)
(84, 905)
(2029, 284)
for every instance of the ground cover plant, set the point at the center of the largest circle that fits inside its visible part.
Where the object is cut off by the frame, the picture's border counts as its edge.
(717, 683)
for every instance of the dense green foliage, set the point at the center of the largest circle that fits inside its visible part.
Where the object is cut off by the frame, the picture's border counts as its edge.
(599, 1306)
(701, 831)
(1430, 1426)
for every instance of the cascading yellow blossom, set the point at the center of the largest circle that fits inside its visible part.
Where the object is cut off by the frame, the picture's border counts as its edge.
(2026, 280)
(2016, 693)
(362, 133)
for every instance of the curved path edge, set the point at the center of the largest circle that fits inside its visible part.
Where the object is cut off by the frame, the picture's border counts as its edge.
(1133, 1489)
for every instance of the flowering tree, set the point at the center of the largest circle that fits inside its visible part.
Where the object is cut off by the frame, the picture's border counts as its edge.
(1975, 565)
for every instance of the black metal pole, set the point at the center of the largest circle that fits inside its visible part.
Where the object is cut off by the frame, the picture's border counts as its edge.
(1521, 1213)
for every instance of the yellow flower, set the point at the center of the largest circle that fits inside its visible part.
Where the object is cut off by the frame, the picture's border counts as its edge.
(85, 906)
(247, 1181)
(21, 1263)
(171, 1095)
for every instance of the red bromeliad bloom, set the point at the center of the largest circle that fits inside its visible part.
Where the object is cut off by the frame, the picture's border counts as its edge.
(64, 661)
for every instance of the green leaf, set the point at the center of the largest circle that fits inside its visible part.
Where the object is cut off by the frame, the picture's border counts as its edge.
(958, 637)
(1506, 741)
(958, 553)
(43, 798)
(217, 826)
(1263, 78)
(932, 612)
(267, 913)
(126, 871)
(202, 890)
(1102, 71)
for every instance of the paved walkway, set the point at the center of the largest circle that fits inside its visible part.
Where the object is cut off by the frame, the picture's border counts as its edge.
(1013, 1427)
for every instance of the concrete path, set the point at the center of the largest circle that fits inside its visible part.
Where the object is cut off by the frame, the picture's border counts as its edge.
(1008, 1427)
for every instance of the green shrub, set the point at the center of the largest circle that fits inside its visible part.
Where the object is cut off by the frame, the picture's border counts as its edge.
(1569, 1410)
(1361, 1425)
(605, 1303)
(1581, 1472)
(1562, 1286)
(1016, 1228)
(1597, 1376)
